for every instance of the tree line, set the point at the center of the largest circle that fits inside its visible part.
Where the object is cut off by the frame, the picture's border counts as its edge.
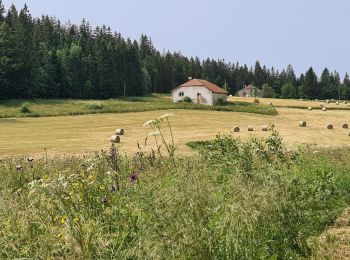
(43, 58)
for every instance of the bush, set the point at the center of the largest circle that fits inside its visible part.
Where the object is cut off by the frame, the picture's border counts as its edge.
(256, 101)
(95, 106)
(221, 102)
(187, 99)
(267, 91)
(25, 108)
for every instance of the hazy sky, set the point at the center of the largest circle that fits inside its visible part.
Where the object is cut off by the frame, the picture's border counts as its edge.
(276, 32)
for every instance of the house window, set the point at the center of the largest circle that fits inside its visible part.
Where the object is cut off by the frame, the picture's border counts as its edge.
(181, 94)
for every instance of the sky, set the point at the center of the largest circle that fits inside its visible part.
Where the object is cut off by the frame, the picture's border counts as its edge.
(303, 33)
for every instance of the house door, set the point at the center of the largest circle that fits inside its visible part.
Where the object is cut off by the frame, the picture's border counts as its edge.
(199, 97)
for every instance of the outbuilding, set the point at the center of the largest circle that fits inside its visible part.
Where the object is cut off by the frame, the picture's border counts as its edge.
(249, 91)
(201, 92)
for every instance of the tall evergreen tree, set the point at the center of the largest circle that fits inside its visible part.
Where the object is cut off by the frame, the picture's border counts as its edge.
(310, 84)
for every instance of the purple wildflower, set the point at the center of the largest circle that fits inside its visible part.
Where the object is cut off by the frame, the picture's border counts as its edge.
(133, 178)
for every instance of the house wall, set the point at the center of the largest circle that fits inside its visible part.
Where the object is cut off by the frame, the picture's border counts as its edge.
(206, 95)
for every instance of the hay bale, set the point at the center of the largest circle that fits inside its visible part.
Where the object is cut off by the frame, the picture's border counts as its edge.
(344, 125)
(270, 104)
(337, 103)
(329, 126)
(302, 124)
(327, 101)
(264, 128)
(119, 131)
(321, 105)
(115, 139)
(324, 109)
(236, 129)
(250, 128)
(309, 108)
(300, 99)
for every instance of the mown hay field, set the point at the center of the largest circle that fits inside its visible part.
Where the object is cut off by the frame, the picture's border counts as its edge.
(88, 133)
(295, 103)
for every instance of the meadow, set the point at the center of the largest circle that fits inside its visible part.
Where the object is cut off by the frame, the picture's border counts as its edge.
(88, 133)
(52, 108)
(297, 103)
(280, 194)
(234, 200)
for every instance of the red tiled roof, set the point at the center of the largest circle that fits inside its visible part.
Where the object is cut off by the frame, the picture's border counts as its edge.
(203, 83)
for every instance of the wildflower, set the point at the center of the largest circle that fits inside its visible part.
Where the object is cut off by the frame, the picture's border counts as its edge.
(153, 133)
(166, 116)
(63, 220)
(150, 122)
(133, 178)
(75, 220)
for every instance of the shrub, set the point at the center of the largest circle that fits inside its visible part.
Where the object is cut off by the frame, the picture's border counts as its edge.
(187, 99)
(256, 101)
(95, 106)
(221, 102)
(267, 91)
(25, 108)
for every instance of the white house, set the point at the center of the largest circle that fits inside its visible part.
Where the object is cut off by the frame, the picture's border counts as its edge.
(200, 91)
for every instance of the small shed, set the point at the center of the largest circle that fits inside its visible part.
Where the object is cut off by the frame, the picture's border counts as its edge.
(249, 91)
(200, 91)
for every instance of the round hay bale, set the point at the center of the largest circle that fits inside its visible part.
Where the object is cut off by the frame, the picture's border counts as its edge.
(337, 103)
(250, 128)
(324, 109)
(300, 99)
(309, 108)
(119, 131)
(344, 125)
(329, 126)
(264, 128)
(115, 139)
(327, 101)
(302, 124)
(236, 129)
(345, 102)
(270, 104)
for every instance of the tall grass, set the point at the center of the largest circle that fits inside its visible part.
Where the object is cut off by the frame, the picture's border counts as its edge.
(234, 200)
(38, 108)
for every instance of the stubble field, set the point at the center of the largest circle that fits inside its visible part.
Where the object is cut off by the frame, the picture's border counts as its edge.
(88, 133)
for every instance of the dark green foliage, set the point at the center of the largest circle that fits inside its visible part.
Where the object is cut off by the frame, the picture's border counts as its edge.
(288, 91)
(267, 91)
(221, 102)
(40, 58)
(187, 100)
(95, 106)
(25, 108)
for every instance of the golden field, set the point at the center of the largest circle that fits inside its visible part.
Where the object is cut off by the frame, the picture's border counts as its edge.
(295, 102)
(88, 133)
